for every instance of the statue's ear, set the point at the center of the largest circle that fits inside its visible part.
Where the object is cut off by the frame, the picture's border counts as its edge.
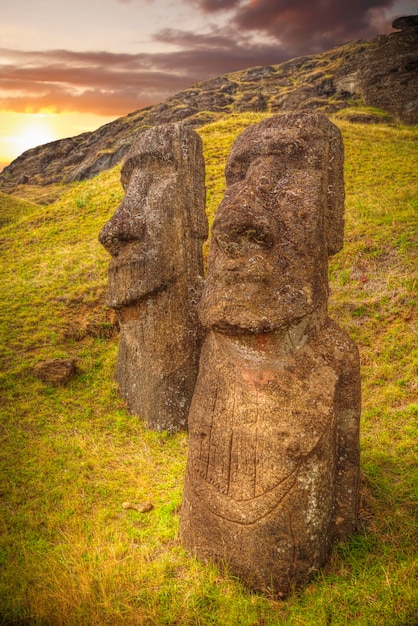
(334, 215)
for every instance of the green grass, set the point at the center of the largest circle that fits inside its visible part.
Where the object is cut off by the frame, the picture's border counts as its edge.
(13, 209)
(70, 553)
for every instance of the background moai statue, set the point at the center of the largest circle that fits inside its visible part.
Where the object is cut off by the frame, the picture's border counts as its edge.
(273, 468)
(155, 275)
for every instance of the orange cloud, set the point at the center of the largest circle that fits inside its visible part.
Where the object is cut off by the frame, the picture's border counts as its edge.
(115, 84)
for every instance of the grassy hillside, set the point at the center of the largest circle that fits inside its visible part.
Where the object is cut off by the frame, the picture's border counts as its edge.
(70, 552)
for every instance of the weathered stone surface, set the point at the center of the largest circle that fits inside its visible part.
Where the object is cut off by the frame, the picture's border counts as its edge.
(155, 274)
(55, 371)
(273, 467)
(393, 56)
(408, 21)
(251, 102)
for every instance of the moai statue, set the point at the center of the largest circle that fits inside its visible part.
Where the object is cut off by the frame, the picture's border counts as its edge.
(273, 467)
(156, 273)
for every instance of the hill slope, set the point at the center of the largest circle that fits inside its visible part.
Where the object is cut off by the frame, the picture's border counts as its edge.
(379, 73)
(70, 553)
(12, 209)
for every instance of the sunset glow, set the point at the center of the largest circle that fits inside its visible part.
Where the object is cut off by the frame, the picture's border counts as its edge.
(34, 131)
(22, 131)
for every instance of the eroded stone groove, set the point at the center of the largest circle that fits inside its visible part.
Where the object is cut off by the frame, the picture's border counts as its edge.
(156, 273)
(273, 467)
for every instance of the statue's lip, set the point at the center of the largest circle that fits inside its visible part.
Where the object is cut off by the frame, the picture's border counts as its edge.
(139, 265)
(116, 265)
(135, 297)
(239, 277)
(244, 329)
(121, 303)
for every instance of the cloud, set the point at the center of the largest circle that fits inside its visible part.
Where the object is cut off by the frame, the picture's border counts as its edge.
(302, 26)
(217, 52)
(116, 84)
(216, 5)
(95, 82)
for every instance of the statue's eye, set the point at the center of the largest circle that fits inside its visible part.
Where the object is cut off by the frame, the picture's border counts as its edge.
(240, 240)
(264, 185)
(227, 244)
(236, 170)
(259, 238)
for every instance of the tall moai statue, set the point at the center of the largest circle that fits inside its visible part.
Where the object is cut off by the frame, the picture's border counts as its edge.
(155, 238)
(273, 468)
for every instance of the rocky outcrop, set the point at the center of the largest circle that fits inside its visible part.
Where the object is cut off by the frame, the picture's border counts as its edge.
(386, 74)
(55, 371)
(378, 73)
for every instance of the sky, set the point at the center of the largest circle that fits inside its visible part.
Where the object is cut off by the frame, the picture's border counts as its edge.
(70, 66)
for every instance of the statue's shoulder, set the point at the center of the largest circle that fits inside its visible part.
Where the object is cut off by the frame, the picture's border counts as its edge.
(336, 346)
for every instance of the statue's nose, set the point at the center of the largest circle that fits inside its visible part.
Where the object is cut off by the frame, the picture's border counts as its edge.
(124, 227)
(242, 225)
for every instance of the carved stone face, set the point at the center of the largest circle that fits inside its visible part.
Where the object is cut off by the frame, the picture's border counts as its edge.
(150, 236)
(138, 238)
(268, 257)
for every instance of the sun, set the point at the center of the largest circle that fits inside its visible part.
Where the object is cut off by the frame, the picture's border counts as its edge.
(21, 131)
(35, 131)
